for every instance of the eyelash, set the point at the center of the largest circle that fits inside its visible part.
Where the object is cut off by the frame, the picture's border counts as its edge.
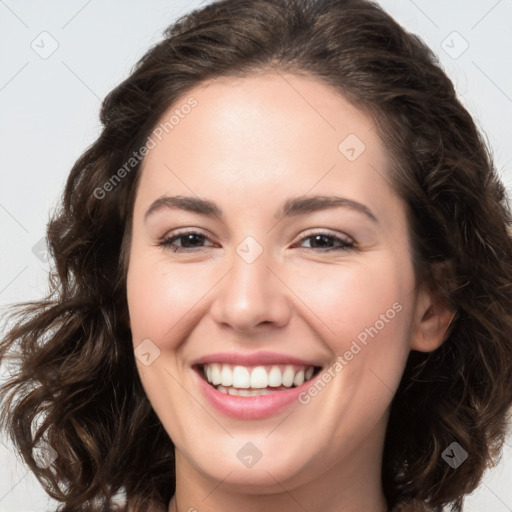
(344, 244)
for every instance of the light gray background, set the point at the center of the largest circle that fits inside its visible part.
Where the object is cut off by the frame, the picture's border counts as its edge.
(49, 115)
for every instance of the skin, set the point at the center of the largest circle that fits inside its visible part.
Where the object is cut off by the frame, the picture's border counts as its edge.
(250, 144)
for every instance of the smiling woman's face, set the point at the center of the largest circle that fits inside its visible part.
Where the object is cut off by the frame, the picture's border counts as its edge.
(283, 282)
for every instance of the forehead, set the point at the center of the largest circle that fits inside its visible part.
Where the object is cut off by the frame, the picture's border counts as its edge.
(257, 136)
(267, 111)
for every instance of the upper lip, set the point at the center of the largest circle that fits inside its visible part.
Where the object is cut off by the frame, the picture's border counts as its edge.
(253, 359)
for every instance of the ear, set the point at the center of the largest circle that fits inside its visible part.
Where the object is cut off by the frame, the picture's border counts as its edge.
(433, 318)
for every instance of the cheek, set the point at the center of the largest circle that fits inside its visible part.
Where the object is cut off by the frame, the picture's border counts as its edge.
(348, 299)
(162, 299)
(364, 315)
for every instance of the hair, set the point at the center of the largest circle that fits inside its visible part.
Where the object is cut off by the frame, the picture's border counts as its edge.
(76, 367)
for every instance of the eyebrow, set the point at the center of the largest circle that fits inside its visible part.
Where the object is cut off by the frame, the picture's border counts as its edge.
(293, 206)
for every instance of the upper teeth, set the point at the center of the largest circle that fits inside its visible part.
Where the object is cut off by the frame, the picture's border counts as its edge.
(257, 376)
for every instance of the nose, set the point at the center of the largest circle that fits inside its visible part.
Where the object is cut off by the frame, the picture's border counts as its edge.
(251, 296)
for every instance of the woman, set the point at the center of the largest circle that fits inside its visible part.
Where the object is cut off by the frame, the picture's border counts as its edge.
(282, 279)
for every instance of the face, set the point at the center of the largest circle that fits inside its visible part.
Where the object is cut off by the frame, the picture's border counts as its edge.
(257, 284)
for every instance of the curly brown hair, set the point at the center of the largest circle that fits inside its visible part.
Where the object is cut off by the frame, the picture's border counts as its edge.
(76, 366)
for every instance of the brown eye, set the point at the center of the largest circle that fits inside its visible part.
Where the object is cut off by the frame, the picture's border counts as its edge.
(194, 240)
(190, 241)
(324, 242)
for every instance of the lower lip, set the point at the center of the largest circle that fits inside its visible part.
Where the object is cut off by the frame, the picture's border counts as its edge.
(251, 407)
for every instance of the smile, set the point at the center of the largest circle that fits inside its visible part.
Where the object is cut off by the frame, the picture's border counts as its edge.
(260, 380)
(253, 392)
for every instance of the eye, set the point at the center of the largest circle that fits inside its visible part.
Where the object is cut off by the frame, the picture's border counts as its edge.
(323, 242)
(193, 241)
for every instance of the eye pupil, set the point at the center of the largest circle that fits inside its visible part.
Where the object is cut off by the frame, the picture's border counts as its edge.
(318, 238)
(190, 237)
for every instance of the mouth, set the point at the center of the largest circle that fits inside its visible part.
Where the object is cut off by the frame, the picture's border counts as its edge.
(249, 381)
